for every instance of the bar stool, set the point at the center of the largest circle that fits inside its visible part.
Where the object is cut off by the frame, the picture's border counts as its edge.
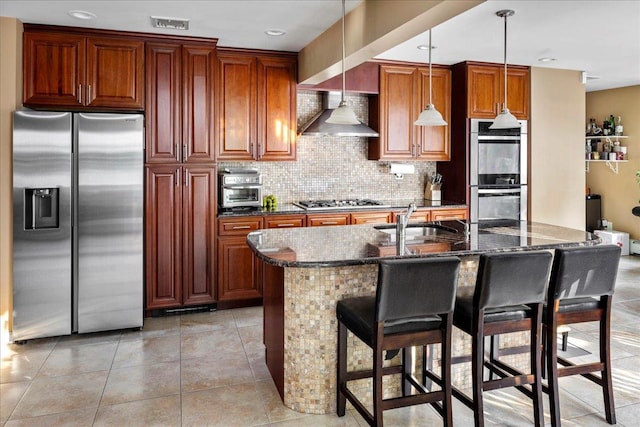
(508, 297)
(413, 306)
(580, 290)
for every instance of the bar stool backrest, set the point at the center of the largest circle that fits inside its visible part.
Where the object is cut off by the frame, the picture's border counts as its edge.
(586, 271)
(512, 278)
(414, 289)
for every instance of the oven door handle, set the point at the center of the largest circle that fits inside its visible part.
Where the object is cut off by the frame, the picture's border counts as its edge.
(499, 138)
(498, 191)
(241, 186)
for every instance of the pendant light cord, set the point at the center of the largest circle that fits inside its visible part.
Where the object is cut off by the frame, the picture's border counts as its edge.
(430, 49)
(505, 61)
(343, 53)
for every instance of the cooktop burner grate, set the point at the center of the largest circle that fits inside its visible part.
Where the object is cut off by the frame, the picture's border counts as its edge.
(340, 204)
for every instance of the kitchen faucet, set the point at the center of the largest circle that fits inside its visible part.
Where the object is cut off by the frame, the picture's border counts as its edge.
(467, 228)
(401, 227)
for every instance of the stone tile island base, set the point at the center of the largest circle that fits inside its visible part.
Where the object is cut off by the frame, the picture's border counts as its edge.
(310, 296)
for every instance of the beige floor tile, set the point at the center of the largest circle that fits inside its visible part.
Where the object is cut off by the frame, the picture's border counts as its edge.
(628, 416)
(10, 395)
(141, 382)
(22, 362)
(78, 418)
(51, 395)
(147, 351)
(155, 327)
(77, 358)
(89, 339)
(158, 412)
(251, 337)
(215, 370)
(248, 316)
(329, 420)
(258, 365)
(237, 405)
(273, 403)
(205, 344)
(206, 321)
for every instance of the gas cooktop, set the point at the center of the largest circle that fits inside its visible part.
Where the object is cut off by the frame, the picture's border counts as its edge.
(340, 204)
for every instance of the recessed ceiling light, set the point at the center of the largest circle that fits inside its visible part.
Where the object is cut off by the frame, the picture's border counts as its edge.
(170, 23)
(275, 32)
(81, 14)
(425, 47)
(546, 59)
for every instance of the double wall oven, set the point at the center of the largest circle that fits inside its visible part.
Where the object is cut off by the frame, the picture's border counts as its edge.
(498, 171)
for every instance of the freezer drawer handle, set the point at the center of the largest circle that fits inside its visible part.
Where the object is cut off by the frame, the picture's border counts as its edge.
(499, 191)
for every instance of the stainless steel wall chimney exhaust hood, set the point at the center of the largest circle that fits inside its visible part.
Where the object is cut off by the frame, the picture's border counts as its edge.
(318, 126)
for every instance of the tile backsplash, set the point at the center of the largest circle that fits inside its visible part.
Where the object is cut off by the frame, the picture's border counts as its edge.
(335, 167)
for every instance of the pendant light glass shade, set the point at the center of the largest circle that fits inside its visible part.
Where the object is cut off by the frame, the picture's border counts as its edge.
(343, 115)
(430, 116)
(505, 120)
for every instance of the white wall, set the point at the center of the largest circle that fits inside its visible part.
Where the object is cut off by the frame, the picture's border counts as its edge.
(556, 141)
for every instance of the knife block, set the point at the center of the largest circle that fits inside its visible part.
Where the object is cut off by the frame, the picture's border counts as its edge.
(432, 192)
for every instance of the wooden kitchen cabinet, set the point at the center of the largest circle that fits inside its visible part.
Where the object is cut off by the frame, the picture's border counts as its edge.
(180, 107)
(326, 219)
(257, 107)
(76, 71)
(371, 217)
(180, 236)
(448, 214)
(239, 270)
(485, 90)
(420, 215)
(404, 93)
(284, 221)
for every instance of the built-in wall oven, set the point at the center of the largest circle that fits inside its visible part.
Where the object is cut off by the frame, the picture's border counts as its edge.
(498, 171)
(239, 188)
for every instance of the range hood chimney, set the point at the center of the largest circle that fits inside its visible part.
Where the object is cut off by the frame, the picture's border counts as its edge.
(318, 126)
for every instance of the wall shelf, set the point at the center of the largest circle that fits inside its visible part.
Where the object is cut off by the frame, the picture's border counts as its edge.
(613, 164)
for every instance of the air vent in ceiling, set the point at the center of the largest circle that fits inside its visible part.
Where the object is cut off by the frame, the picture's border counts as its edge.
(170, 23)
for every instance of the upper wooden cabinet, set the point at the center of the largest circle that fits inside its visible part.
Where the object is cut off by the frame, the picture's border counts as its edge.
(404, 93)
(485, 90)
(180, 108)
(69, 70)
(257, 107)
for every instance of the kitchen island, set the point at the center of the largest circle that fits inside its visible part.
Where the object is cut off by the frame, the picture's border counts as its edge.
(307, 270)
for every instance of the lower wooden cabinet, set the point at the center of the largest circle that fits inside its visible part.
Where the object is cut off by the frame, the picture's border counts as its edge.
(180, 236)
(371, 217)
(324, 219)
(448, 214)
(239, 270)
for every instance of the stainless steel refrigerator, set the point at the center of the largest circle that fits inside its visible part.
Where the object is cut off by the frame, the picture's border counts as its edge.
(78, 223)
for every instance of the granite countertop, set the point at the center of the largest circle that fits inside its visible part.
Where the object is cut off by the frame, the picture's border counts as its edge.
(366, 244)
(290, 209)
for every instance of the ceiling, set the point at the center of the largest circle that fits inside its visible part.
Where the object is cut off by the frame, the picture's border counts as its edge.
(601, 37)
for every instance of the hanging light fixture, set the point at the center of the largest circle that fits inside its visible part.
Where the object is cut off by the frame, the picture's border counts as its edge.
(430, 116)
(505, 120)
(343, 115)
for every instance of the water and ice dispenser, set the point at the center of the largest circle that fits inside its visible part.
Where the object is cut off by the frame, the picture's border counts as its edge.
(41, 208)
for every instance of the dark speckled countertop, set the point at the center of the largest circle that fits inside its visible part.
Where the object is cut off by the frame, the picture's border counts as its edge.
(365, 244)
(289, 208)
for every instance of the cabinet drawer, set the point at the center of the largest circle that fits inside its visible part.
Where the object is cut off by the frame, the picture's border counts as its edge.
(238, 226)
(371, 217)
(417, 216)
(445, 214)
(319, 220)
(284, 221)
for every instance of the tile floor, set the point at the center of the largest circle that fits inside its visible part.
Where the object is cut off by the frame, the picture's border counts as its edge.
(207, 369)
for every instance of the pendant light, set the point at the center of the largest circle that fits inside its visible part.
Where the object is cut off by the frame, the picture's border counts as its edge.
(430, 116)
(505, 120)
(343, 115)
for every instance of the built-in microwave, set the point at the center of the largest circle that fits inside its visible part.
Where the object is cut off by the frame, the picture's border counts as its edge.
(239, 188)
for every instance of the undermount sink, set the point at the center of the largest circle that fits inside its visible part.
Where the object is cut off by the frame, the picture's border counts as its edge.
(416, 231)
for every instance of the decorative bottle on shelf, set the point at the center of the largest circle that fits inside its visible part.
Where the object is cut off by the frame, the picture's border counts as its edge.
(612, 125)
(619, 128)
(605, 127)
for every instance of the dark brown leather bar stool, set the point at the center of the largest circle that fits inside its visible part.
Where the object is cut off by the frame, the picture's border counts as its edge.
(413, 306)
(580, 290)
(508, 297)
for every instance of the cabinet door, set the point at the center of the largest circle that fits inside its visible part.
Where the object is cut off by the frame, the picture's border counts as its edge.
(163, 103)
(163, 228)
(276, 114)
(483, 83)
(445, 214)
(433, 141)
(198, 265)
(397, 110)
(371, 217)
(198, 64)
(517, 92)
(238, 270)
(115, 73)
(237, 107)
(54, 69)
